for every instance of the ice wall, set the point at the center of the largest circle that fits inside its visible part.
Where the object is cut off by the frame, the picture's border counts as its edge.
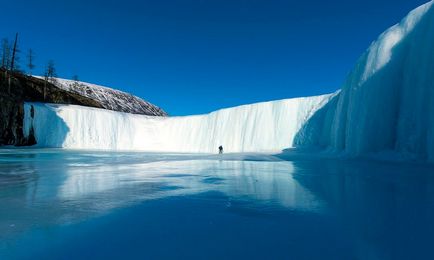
(268, 126)
(387, 102)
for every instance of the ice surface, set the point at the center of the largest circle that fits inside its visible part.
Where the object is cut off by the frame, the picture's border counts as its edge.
(133, 205)
(268, 126)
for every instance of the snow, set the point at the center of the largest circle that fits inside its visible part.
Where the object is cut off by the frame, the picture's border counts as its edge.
(110, 98)
(268, 126)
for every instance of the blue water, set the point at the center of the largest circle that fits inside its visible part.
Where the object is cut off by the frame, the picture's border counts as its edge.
(97, 205)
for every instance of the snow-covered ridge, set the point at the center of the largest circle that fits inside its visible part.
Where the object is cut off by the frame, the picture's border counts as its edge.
(110, 98)
(267, 126)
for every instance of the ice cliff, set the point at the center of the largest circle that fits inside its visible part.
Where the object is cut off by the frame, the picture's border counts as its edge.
(385, 105)
(387, 102)
(268, 126)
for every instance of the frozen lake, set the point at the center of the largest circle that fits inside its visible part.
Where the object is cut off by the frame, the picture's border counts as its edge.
(58, 204)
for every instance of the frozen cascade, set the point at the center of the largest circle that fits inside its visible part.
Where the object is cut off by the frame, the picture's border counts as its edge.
(267, 126)
(387, 102)
(385, 105)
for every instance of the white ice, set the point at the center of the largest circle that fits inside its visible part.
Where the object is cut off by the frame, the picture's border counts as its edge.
(268, 126)
(387, 102)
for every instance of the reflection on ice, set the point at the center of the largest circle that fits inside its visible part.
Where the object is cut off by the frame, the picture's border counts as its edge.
(370, 210)
(271, 182)
(63, 187)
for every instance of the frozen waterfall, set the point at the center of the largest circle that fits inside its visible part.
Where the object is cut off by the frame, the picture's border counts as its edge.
(268, 126)
(385, 105)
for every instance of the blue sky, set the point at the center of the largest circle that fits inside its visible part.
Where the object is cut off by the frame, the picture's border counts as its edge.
(196, 56)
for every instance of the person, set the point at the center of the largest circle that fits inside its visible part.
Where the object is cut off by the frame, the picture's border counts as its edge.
(220, 149)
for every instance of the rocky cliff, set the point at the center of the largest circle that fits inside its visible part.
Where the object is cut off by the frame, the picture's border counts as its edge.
(16, 88)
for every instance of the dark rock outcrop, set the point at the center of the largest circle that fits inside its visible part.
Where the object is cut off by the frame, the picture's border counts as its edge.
(11, 117)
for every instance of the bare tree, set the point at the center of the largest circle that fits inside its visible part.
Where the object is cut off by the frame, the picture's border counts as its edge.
(6, 54)
(6, 61)
(15, 51)
(50, 71)
(30, 60)
(49, 75)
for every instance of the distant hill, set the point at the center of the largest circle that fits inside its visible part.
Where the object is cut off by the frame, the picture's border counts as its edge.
(109, 98)
(17, 88)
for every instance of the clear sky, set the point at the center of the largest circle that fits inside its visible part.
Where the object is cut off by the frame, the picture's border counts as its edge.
(196, 56)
